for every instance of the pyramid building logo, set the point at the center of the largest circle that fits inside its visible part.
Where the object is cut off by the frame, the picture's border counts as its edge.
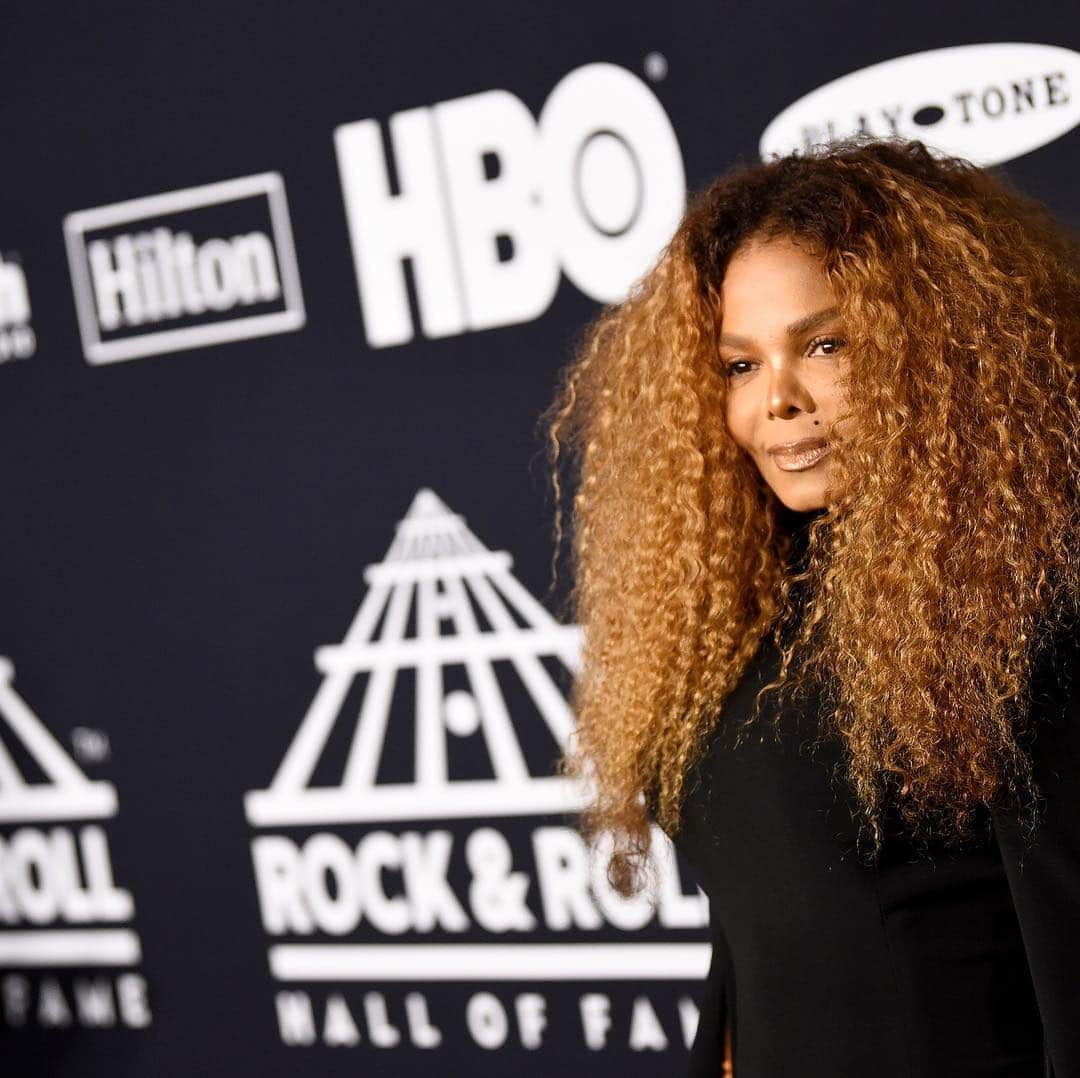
(67, 794)
(63, 919)
(416, 830)
(438, 571)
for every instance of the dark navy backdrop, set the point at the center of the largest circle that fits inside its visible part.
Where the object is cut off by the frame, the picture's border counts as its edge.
(186, 523)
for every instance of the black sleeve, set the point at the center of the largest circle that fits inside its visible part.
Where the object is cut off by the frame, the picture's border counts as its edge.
(707, 1051)
(1044, 873)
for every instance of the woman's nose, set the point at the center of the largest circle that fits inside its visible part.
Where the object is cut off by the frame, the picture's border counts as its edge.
(786, 393)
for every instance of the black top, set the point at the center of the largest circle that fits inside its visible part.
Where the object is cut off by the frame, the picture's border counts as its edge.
(931, 964)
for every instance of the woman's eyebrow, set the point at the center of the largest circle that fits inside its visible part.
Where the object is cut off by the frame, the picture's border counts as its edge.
(796, 329)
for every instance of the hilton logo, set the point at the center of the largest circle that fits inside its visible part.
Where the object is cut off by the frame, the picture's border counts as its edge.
(185, 269)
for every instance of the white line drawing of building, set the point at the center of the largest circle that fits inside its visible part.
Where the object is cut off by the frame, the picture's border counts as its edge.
(67, 794)
(438, 564)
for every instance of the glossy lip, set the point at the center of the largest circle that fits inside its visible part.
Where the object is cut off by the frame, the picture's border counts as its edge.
(790, 449)
(800, 462)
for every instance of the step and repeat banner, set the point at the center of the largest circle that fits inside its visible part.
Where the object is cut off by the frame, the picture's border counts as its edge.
(283, 291)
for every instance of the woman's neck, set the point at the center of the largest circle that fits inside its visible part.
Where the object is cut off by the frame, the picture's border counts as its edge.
(796, 525)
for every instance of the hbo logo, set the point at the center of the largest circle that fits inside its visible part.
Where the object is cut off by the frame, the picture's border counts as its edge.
(491, 204)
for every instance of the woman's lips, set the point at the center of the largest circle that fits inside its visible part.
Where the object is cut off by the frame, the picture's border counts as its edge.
(796, 461)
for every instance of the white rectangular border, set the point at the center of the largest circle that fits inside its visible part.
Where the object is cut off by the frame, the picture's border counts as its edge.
(77, 224)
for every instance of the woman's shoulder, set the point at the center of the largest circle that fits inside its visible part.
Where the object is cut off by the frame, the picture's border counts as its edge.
(1042, 860)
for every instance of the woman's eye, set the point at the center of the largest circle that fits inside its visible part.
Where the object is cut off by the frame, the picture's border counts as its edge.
(834, 344)
(730, 368)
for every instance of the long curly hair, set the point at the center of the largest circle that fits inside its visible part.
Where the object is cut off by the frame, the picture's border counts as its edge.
(942, 564)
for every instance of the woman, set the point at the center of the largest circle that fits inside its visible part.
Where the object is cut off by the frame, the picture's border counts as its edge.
(892, 849)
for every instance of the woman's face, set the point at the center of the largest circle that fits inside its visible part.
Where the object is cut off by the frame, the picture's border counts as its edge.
(781, 350)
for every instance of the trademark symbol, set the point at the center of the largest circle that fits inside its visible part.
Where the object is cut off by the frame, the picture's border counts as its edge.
(89, 745)
(655, 64)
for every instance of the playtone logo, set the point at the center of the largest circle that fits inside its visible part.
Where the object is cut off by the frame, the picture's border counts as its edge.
(490, 203)
(60, 909)
(400, 840)
(17, 340)
(988, 103)
(185, 269)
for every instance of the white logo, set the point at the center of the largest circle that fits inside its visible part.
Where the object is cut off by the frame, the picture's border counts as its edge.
(491, 202)
(441, 604)
(987, 103)
(17, 340)
(172, 282)
(59, 905)
(67, 794)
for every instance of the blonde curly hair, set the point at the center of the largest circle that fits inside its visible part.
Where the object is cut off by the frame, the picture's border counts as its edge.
(931, 581)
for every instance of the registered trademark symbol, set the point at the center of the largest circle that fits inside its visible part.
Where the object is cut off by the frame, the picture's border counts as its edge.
(655, 64)
(89, 745)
